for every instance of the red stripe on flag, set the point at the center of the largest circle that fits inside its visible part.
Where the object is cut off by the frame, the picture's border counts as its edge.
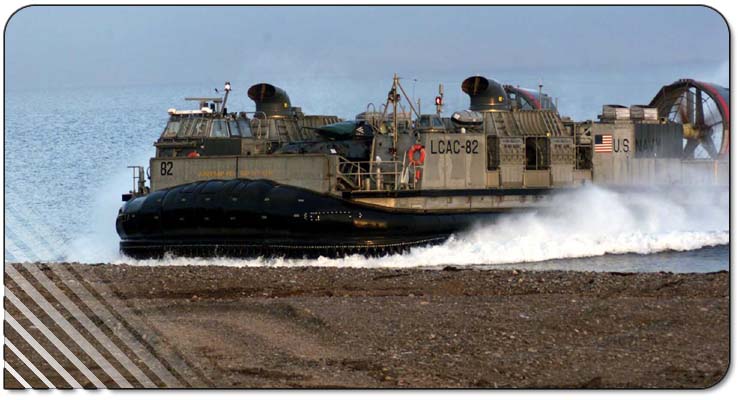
(605, 146)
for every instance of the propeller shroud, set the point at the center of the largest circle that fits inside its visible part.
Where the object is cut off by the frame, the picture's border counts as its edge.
(703, 110)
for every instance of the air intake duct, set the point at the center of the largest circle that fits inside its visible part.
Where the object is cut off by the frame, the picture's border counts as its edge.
(270, 100)
(485, 94)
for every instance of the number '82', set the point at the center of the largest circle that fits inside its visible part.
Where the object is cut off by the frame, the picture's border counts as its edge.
(165, 168)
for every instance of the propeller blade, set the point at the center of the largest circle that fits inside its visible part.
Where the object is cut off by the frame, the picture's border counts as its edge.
(708, 144)
(699, 109)
(683, 110)
(691, 145)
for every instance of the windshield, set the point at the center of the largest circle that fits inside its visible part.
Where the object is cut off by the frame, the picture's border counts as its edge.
(200, 129)
(218, 129)
(234, 128)
(246, 131)
(186, 124)
(171, 129)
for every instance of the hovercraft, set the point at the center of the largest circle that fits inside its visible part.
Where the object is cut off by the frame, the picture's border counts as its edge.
(276, 181)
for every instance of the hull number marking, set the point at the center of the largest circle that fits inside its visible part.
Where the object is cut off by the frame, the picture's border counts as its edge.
(454, 146)
(165, 168)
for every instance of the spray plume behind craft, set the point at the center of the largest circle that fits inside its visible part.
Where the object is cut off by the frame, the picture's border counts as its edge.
(591, 222)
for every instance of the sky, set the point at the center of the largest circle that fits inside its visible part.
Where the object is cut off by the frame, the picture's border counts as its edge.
(63, 47)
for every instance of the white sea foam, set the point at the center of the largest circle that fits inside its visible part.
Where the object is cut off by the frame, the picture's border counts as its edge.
(590, 222)
(100, 242)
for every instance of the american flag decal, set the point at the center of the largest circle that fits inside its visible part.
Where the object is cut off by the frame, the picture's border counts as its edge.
(603, 143)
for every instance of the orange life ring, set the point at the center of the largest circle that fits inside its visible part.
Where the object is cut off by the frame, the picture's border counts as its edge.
(417, 148)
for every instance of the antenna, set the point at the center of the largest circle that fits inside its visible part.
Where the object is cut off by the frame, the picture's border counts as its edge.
(394, 97)
(227, 89)
(408, 100)
(439, 100)
(539, 93)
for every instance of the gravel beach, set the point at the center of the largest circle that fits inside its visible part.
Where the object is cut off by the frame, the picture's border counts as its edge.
(231, 327)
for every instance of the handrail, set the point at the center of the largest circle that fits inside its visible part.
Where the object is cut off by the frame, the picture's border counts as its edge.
(259, 123)
(373, 176)
(139, 180)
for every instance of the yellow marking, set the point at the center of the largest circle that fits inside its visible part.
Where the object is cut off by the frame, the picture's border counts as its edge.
(216, 174)
(258, 173)
(369, 224)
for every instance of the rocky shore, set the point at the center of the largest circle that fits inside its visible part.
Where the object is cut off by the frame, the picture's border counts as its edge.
(400, 328)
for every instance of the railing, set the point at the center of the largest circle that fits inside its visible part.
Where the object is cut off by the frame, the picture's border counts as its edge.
(374, 176)
(139, 180)
(258, 132)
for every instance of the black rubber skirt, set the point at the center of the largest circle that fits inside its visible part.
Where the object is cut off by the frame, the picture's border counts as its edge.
(246, 218)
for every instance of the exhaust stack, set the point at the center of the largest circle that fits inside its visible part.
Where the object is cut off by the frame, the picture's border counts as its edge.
(270, 100)
(485, 94)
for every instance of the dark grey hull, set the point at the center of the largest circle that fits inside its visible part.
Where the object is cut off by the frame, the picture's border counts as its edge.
(242, 218)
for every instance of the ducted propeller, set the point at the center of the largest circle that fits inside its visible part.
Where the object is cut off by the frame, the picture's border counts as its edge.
(702, 109)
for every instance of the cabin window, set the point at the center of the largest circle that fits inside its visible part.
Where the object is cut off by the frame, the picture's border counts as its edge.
(244, 128)
(219, 129)
(520, 101)
(538, 153)
(171, 129)
(200, 129)
(437, 123)
(492, 152)
(234, 128)
(166, 153)
(187, 125)
(524, 104)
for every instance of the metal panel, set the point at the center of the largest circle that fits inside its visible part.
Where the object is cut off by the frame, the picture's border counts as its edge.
(615, 166)
(168, 172)
(658, 140)
(310, 172)
(562, 160)
(614, 112)
(481, 202)
(493, 179)
(537, 178)
(538, 123)
(640, 112)
(492, 152)
(642, 171)
(476, 165)
(455, 161)
(511, 152)
(512, 176)
(562, 151)
(562, 175)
